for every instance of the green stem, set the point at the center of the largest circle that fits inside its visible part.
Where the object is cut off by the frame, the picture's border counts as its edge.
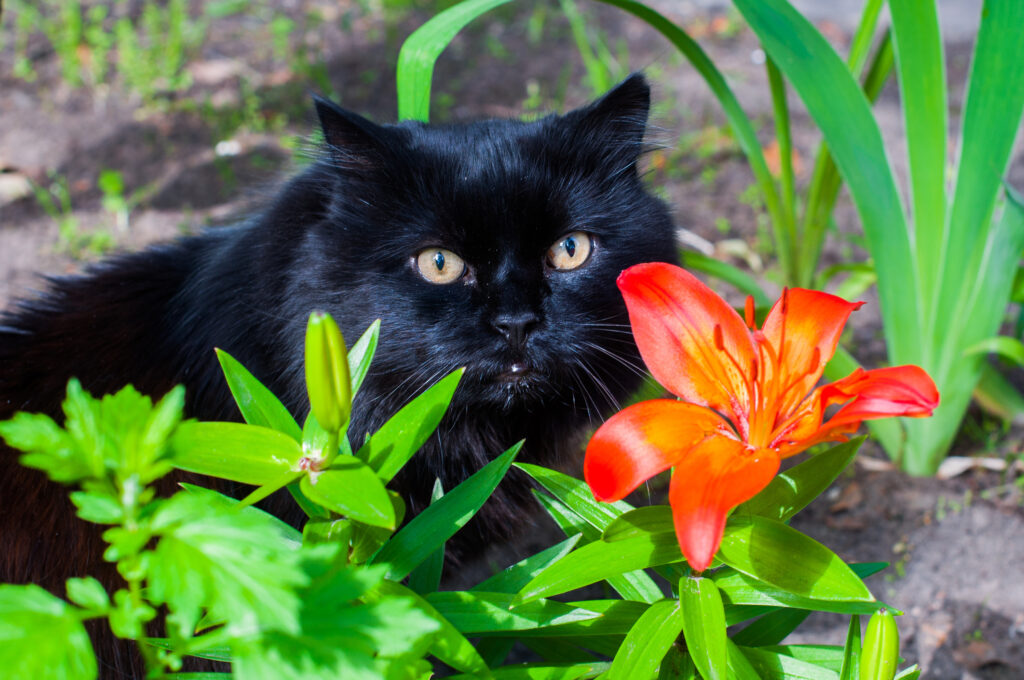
(777, 85)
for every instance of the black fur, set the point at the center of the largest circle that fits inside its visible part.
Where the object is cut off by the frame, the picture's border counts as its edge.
(341, 237)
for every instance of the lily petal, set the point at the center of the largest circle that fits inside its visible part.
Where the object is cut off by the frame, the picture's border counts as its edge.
(803, 327)
(880, 393)
(693, 342)
(710, 480)
(642, 440)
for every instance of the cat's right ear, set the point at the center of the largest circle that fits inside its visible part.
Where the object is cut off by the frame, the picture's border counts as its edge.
(619, 117)
(354, 142)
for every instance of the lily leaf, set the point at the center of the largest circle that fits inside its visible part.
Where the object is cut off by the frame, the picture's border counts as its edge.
(257, 404)
(704, 626)
(250, 454)
(350, 488)
(648, 641)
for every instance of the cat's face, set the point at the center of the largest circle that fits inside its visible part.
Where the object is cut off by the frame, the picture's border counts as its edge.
(496, 246)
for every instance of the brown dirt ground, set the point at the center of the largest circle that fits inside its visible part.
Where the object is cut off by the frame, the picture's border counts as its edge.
(957, 545)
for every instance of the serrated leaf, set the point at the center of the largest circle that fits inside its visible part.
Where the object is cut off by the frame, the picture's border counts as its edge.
(212, 556)
(97, 507)
(243, 453)
(41, 636)
(777, 554)
(258, 405)
(439, 522)
(404, 433)
(46, 447)
(648, 642)
(703, 624)
(349, 487)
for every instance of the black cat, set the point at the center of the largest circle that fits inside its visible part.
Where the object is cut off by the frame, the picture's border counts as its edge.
(493, 245)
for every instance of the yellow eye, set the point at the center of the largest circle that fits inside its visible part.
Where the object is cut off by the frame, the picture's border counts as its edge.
(570, 252)
(440, 266)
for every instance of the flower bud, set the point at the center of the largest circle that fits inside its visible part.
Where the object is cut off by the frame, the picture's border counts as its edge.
(327, 378)
(881, 651)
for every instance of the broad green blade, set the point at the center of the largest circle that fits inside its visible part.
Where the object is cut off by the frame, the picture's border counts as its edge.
(1008, 348)
(519, 574)
(997, 395)
(631, 585)
(837, 104)
(792, 490)
(601, 560)
(404, 433)
(724, 271)
(704, 626)
(992, 114)
(648, 641)
(779, 555)
(542, 671)
(242, 453)
(776, 666)
(617, 618)
(826, 656)
(922, 78)
(421, 49)
(257, 404)
(351, 488)
(772, 628)
(480, 612)
(850, 667)
(426, 532)
(740, 590)
(576, 495)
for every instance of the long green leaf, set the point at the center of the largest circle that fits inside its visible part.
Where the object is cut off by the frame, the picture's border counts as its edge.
(519, 574)
(350, 488)
(922, 78)
(480, 612)
(648, 641)
(739, 590)
(576, 495)
(257, 404)
(775, 553)
(704, 626)
(421, 49)
(992, 114)
(850, 668)
(774, 666)
(772, 628)
(243, 453)
(426, 532)
(426, 578)
(404, 433)
(837, 104)
(541, 671)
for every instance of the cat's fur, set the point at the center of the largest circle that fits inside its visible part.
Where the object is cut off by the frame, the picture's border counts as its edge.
(341, 237)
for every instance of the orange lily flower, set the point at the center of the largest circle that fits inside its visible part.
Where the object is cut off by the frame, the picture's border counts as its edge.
(748, 398)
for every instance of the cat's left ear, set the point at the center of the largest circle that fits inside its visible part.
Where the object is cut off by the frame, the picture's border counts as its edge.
(619, 118)
(355, 143)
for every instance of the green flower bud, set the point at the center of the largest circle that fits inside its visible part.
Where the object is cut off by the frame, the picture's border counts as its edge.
(327, 379)
(881, 651)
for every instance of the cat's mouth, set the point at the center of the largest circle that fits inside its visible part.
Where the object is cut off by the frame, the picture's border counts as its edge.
(518, 372)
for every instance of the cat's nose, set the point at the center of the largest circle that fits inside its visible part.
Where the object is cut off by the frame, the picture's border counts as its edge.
(515, 326)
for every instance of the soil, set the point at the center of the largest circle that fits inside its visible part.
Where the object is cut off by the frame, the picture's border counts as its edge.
(956, 545)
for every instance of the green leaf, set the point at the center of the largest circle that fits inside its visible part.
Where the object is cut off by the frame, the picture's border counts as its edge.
(46, 447)
(519, 574)
(850, 666)
(600, 560)
(648, 641)
(576, 495)
(772, 628)
(912, 673)
(360, 355)
(739, 590)
(792, 490)
(426, 532)
(541, 671)
(349, 487)
(426, 578)
(704, 626)
(98, 507)
(616, 618)
(404, 433)
(774, 553)
(774, 666)
(41, 636)
(213, 556)
(257, 404)
(88, 593)
(739, 667)
(826, 656)
(243, 453)
(421, 49)
(724, 271)
(1006, 347)
(476, 613)
(837, 104)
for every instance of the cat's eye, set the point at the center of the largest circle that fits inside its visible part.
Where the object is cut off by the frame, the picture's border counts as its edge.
(570, 251)
(439, 265)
